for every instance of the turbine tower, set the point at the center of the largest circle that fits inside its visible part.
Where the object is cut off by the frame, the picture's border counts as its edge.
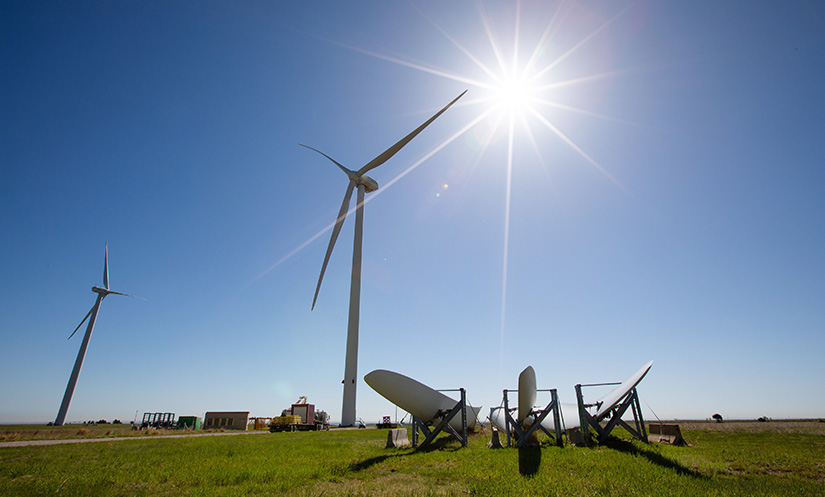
(101, 294)
(365, 184)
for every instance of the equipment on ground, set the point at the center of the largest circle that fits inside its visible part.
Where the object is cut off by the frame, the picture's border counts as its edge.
(578, 418)
(190, 423)
(164, 420)
(430, 408)
(416, 398)
(529, 420)
(301, 416)
(613, 406)
(260, 423)
(526, 393)
(386, 423)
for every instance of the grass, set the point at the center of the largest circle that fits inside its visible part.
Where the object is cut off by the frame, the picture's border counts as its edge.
(786, 460)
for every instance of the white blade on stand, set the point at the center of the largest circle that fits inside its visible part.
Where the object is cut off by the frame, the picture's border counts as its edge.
(526, 393)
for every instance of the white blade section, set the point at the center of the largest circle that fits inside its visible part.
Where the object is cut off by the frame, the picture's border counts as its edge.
(342, 214)
(398, 146)
(526, 393)
(417, 398)
(611, 399)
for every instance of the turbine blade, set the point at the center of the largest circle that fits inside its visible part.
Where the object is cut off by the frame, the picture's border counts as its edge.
(81, 323)
(106, 268)
(398, 146)
(348, 172)
(342, 214)
(126, 295)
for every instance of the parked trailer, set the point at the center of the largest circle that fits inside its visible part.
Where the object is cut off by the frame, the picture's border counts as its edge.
(296, 422)
(386, 424)
(298, 427)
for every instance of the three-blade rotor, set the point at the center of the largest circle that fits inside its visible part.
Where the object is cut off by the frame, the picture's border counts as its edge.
(358, 178)
(102, 292)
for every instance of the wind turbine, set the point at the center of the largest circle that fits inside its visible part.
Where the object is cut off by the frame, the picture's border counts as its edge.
(364, 184)
(101, 294)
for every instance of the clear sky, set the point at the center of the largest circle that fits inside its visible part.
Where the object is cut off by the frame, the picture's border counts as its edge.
(657, 191)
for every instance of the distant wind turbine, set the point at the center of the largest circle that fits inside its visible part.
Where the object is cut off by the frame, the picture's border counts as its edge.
(101, 294)
(364, 184)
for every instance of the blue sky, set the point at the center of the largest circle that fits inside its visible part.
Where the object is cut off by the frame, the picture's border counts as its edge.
(665, 201)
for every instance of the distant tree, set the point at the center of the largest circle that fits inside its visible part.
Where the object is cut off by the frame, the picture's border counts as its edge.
(717, 417)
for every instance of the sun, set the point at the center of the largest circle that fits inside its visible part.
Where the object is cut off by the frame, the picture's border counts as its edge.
(514, 93)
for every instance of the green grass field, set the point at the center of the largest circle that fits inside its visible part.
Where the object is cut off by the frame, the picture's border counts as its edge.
(751, 459)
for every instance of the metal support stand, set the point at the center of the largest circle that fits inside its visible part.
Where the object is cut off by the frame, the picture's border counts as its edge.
(539, 415)
(587, 421)
(446, 417)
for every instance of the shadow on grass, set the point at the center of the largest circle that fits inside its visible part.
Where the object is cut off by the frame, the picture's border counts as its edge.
(367, 463)
(652, 456)
(529, 460)
(441, 443)
(447, 443)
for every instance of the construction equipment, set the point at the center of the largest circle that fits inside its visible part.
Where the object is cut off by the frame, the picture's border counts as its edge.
(260, 423)
(301, 416)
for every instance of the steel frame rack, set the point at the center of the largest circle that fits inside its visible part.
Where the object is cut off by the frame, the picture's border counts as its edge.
(540, 414)
(444, 424)
(587, 421)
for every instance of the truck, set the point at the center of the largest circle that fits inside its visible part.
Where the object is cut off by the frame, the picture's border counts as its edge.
(301, 416)
(386, 423)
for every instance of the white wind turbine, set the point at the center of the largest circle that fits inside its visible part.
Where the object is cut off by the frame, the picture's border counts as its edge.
(364, 184)
(101, 294)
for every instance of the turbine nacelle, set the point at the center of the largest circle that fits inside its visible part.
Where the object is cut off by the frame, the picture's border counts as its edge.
(370, 185)
(103, 292)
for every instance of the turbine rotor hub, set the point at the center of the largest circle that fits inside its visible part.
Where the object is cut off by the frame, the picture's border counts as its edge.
(370, 185)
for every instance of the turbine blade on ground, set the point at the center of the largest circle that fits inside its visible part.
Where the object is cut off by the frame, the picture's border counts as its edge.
(348, 172)
(526, 393)
(81, 323)
(106, 268)
(398, 146)
(339, 221)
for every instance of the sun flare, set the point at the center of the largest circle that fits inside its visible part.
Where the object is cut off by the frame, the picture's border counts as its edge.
(514, 93)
